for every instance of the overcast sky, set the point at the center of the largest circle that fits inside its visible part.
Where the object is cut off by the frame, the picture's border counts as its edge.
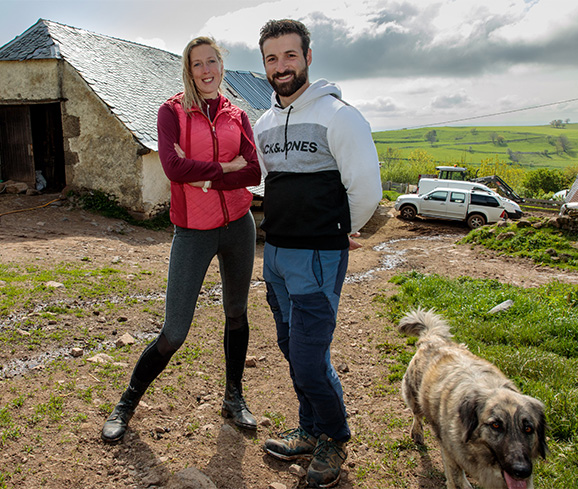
(403, 63)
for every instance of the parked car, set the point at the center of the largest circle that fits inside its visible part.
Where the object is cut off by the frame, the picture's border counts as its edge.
(569, 209)
(475, 207)
(560, 195)
(426, 185)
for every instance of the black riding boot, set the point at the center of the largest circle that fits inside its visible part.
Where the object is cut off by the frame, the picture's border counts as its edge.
(234, 406)
(235, 343)
(115, 426)
(151, 363)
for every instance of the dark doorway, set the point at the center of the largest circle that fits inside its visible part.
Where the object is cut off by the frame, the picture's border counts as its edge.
(48, 146)
(31, 142)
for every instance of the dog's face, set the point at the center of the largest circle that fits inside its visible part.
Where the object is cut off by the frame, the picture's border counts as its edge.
(507, 429)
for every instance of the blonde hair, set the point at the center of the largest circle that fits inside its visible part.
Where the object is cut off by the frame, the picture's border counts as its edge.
(191, 95)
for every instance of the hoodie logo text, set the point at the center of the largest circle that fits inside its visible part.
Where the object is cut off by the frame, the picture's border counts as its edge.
(304, 146)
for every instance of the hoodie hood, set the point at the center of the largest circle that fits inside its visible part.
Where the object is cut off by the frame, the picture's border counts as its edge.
(314, 91)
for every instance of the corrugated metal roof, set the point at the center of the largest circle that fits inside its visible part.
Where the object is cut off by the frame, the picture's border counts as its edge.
(133, 80)
(253, 87)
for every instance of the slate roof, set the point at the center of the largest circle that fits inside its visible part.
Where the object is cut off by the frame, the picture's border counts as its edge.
(133, 80)
(572, 195)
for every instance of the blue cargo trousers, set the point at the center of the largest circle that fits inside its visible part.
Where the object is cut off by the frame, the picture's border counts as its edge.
(303, 290)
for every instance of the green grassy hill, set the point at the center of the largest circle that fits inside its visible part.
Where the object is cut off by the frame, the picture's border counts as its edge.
(531, 146)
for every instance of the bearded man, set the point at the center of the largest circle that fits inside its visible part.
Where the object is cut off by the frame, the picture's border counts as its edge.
(322, 183)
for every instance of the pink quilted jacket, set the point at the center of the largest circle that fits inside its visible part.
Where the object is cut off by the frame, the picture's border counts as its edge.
(201, 139)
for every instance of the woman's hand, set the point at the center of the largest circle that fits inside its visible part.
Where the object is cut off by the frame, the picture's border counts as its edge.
(237, 163)
(180, 152)
(198, 184)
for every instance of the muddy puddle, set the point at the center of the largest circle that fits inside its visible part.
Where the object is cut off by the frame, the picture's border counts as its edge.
(38, 361)
(392, 257)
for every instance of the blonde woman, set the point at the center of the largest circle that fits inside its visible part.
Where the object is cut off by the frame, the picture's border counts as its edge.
(207, 151)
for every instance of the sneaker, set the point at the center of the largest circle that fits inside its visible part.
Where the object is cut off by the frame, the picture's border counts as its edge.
(294, 444)
(325, 468)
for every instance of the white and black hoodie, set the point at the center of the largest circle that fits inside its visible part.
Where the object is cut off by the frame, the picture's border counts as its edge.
(320, 167)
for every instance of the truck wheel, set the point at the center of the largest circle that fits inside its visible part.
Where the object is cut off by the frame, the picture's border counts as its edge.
(408, 212)
(476, 220)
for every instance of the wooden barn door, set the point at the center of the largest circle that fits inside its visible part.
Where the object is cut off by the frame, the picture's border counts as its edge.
(16, 153)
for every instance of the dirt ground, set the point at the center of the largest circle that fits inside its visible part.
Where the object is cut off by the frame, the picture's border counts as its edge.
(178, 424)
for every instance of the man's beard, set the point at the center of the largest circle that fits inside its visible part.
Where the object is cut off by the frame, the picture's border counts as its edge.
(288, 88)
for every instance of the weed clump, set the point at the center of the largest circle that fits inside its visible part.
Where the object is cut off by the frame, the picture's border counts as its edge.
(107, 205)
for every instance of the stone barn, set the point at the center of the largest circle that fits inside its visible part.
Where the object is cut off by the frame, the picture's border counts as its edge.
(78, 110)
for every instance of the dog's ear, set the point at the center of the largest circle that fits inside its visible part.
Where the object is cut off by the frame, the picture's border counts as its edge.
(468, 412)
(541, 432)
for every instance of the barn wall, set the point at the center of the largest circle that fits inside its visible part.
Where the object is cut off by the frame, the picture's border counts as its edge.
(156, 186)
(35, 81)
(101, 153)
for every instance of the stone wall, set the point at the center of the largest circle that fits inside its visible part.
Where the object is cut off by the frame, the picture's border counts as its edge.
(36, 80)
(101, 153)
(568, 223)
(156, 187)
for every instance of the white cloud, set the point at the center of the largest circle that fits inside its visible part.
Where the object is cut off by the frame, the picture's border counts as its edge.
(404, 63)
(456, 100)
(355, 18)
(155, 42)
(377, 105)
(542, 19)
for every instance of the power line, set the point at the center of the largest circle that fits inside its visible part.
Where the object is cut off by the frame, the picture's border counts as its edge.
(496, 113)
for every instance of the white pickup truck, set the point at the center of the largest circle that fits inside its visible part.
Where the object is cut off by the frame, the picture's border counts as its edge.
(426, 185)
(476, 208)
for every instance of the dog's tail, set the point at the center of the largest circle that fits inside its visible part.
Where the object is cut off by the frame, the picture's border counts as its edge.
(420, 322)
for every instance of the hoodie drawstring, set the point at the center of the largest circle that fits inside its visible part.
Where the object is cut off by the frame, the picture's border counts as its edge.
(286, 126)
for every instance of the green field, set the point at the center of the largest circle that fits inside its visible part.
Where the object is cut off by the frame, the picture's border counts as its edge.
(532, 147)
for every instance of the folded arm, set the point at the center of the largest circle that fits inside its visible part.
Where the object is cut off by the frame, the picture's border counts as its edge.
(242, 171)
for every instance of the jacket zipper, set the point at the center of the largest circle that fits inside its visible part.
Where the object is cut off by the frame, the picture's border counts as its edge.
(216, 158)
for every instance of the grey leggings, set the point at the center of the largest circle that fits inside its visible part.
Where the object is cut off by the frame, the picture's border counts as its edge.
(191, 254)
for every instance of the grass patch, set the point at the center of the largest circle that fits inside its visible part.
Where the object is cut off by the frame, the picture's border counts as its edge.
(26, 286)
(543, 244)
(8, 430)
(534, 146)
(53, 409)
(276, 418)
(187, 354)
(390, 195)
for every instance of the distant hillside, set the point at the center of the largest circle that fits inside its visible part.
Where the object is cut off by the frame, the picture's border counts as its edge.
(531, 146)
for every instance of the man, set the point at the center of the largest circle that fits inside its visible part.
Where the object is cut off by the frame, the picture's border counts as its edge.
(322, 183)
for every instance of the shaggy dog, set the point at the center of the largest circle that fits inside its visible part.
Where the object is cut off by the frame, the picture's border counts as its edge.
(485, 426)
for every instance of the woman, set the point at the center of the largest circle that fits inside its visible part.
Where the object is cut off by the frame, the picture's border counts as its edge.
(207, 152)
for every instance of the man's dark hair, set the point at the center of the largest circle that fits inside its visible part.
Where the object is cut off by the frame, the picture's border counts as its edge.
(278, 28)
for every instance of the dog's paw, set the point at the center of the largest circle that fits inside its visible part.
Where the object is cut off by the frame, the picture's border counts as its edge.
(418, 439)
(417, 434)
